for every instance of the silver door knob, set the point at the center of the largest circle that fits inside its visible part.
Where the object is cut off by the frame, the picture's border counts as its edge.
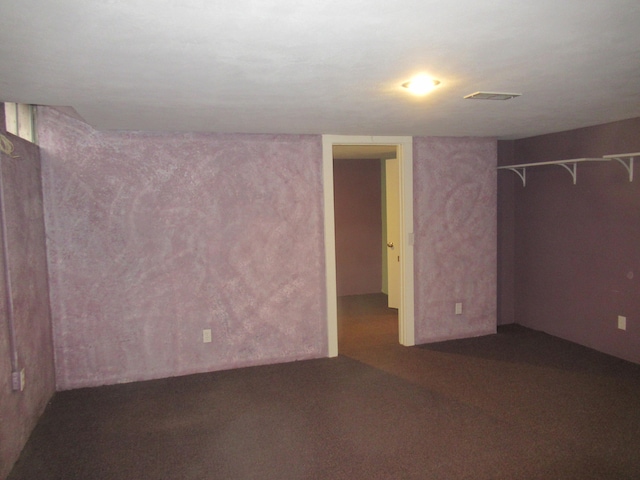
(390, 244)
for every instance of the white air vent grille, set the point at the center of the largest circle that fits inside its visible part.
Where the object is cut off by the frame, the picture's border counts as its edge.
(491, 96)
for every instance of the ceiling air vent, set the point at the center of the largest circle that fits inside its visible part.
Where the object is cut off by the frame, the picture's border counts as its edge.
(491, 96)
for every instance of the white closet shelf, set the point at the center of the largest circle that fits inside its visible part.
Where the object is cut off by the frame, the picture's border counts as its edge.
(569, 165)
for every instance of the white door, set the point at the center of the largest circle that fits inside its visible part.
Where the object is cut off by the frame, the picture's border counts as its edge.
(394, 247)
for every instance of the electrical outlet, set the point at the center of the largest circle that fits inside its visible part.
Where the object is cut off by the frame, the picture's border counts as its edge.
(459, 308)
(622, 322)
(206, 335)
(18, 381)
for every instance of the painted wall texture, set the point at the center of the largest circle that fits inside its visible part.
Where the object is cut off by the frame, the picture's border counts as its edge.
(455, 237)
(576, 262)
(506, 239)
(22, 198)
(358, 218)
(154, 237)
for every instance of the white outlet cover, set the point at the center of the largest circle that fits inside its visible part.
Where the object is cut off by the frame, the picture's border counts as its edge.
(459, 308)
(622, 322)
(206, 335)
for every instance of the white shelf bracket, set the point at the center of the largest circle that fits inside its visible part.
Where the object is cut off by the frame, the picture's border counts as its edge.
(521, 172)
(572, 170)
(622, 160)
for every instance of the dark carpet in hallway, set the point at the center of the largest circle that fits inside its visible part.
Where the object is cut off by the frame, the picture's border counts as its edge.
(516, 405)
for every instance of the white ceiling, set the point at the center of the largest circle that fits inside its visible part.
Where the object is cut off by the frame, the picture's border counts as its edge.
(330, 66)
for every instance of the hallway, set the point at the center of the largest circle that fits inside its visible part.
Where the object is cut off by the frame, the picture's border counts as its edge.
(365, 321)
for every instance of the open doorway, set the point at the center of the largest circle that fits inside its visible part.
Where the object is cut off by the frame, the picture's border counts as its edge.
(366, 207)
(400, 147)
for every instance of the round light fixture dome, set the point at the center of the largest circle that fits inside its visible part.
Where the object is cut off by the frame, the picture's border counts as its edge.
(421, 85)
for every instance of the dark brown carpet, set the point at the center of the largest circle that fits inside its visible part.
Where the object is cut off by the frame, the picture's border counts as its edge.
(516, 405)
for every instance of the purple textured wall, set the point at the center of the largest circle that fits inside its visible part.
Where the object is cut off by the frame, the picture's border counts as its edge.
(455, 237)
(154, 237)
(506, 241)
(577, 261)
(22, 193)
(358, 218)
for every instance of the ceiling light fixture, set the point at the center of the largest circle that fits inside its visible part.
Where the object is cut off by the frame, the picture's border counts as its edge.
(421, 85)
(491, 96)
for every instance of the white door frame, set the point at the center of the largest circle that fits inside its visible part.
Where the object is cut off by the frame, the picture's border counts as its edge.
(404, 147)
